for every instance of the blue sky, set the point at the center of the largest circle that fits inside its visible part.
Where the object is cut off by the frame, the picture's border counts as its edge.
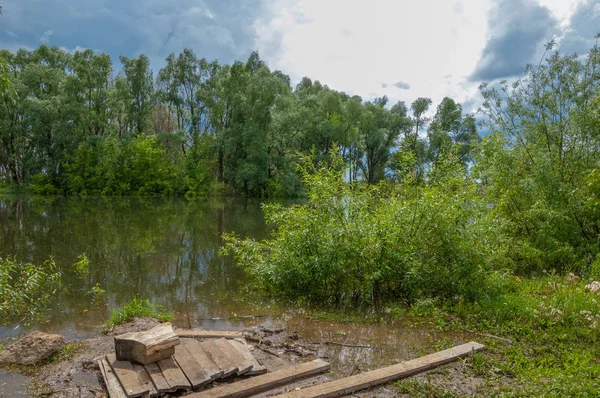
(400, 48)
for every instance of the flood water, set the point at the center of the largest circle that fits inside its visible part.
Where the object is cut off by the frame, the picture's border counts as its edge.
(148, 248)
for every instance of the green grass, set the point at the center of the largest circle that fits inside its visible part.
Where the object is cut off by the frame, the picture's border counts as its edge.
(137, 308)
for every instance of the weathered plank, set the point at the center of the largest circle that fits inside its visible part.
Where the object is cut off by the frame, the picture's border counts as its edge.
(349, 385)
(208, 334)
(190, 367)
(110, 380)
(205, 361)
(223, 362)
(244, 350)
(173, 375)
(157, 377)
(148, 346)
(232, 353)
(264, 382)
(145, 379)
(127, 376)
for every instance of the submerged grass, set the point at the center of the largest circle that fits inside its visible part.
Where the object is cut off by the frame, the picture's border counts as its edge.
(137, 308)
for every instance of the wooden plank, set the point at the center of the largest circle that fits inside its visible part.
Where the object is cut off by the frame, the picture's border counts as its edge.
(264, 382)
(223, 362)
(349, 385)
(158, 379)
(208, 334)
(127, 376)
(145, 379)
(110, 380)
(173, 375)
(244, 350)
(190, 367)
(209, 366)
(148, 346)
(238, 359)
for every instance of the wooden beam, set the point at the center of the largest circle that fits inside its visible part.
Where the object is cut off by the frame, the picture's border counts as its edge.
(264, 382)
(110, 380)
(128, 377)
(349, 385)
(208, 334)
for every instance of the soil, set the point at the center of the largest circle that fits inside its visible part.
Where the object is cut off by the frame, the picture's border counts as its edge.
(275, 348)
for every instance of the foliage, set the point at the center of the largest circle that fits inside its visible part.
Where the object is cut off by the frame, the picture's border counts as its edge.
(137, 308)
(362, 244)
(26, 289)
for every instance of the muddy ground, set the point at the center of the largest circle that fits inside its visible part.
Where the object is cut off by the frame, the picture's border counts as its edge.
(350, 350)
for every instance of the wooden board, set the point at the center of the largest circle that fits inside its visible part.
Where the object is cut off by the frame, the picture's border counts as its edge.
(244, 350)
(209, 366)
(349, 385)
(264, 382)
(145, 379)
(232, 353)
(110, 380)
(159, 381)
(148, 346)
(223, 362)
(190, 367)
(173, 375)
(127, 376)
(208, 334)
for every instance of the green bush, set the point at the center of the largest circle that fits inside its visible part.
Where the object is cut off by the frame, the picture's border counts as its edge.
(26, 289)
(362, 244)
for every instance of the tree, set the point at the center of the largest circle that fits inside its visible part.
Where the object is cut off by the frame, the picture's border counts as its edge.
(138, 91)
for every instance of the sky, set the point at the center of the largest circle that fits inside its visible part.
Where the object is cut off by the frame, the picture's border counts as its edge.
(400, 48)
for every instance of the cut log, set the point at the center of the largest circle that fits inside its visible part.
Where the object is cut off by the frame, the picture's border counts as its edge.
(127, 376)
(110, 380)
(208, 334)
(173, 375)
(223, 362)
(349, 385)
(190, 367)
(209, 366)
(244, 350)
(147, 347)
(158, 379)
(238, 359)
(265, 382)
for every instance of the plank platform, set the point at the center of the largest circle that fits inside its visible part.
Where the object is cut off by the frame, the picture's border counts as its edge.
(209, 366)
(174, 375)
(243, 365)
(208, 334)
(190, 367)
(349, 385)
(244, 350)
(158, 379)
(228, 367)
(110, 380)
(264, 382)
(127, 376)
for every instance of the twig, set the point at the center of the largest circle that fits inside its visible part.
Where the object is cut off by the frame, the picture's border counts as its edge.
(187, 310)
(491, 336)
(348, 345)
(269, 352)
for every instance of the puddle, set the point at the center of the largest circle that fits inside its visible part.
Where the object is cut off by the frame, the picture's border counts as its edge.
(13, 384)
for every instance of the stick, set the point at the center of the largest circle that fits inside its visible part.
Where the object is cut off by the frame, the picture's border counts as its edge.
(187, 310)
(348, 345)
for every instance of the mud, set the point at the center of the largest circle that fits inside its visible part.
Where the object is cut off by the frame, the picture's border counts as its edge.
(351, 348)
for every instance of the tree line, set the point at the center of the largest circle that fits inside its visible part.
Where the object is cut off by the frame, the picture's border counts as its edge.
(69, 124)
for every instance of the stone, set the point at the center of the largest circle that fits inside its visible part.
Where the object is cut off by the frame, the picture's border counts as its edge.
(31, 349)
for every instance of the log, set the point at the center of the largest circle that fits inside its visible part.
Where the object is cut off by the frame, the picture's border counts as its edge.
(349, 385)
(265, 382)
(208, 334)
(147, 347)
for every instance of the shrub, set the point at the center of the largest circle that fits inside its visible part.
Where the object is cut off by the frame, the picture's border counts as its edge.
(26, 289)
(361, 244)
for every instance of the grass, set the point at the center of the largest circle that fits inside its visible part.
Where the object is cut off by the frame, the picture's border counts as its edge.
(554, 325)
(137, 308)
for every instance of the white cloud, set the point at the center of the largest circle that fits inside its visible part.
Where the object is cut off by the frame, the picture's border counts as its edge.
(363, 48)
(45, 38)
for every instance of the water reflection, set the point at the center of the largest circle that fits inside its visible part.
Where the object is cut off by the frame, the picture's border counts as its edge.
(145, 247)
